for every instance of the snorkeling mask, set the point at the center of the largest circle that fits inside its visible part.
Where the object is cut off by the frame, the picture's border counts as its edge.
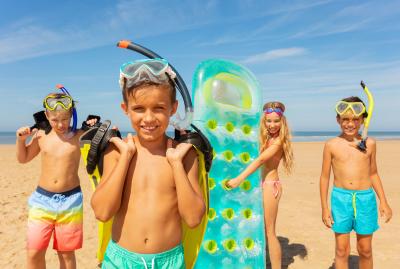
(147, 70)
(357, 108)
(63, 100)
(53, 102)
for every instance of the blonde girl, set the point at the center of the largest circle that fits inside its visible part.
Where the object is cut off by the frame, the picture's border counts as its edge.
(274, 146)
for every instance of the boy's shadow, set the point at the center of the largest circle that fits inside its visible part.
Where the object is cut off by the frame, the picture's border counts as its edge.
(353, 262)
(289, 251)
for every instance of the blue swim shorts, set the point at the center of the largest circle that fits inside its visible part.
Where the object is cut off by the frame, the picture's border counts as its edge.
(354, 210)
(121, 258)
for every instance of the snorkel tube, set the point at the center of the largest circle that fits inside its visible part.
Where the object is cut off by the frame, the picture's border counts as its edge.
(363, 144)
(74, 114)
(180, 124)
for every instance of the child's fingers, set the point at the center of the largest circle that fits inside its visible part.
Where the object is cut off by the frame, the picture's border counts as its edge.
(328, 221)
(388, 216)
(129, 139)
(23, 131)
(116, 140)
(34, 131)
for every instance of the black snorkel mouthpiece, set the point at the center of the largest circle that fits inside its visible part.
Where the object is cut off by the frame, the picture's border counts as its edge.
(362, 146)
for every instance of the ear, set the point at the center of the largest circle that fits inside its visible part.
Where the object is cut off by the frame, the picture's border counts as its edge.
(124, 108)
(174, 107)
(46, 113)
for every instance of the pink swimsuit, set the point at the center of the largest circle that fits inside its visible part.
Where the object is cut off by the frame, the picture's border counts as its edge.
(275, 184)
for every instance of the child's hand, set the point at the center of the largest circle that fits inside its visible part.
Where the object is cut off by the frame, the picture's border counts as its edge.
(233, 183)
(385, 211)
(91, 122)
(127, 146)
(24, 132)
(177, 154)
(327, 218)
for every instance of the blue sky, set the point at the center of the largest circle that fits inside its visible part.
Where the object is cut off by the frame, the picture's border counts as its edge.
(307, 54)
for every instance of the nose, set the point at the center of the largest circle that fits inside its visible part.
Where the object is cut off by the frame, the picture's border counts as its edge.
(149, 116)
(351, 122)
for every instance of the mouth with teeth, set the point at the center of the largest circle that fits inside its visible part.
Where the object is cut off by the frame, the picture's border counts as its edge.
(149, 129)
(352, 130)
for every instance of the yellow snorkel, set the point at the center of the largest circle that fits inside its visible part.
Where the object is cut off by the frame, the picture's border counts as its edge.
(363, 144)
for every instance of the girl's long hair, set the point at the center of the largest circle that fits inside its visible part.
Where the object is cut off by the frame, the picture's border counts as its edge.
(284, 136)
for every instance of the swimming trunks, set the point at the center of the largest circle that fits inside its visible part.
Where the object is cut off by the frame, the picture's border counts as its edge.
(121, 258)
(354, 210)
(275, 184)
(60, 213)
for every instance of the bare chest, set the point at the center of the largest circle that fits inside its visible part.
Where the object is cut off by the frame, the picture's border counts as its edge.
(58, 149)
(348, 154)
(151, 174)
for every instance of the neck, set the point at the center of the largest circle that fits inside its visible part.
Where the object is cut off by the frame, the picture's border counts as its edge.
(154, 146)
(350, 138)
(273, 136)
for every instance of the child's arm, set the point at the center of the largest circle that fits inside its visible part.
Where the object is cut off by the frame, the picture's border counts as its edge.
(106, 200)
(184, 163)
(384, 207)
(26, 153)
(260, 160)
(324, 185)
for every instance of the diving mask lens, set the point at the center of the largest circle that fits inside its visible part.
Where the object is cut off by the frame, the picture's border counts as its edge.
(156, 67)
(356, 107)
(63, 101)
(149, 70)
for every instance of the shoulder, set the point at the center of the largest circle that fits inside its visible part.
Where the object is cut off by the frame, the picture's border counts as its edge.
(371, 141)
(192, 153)
(79, 132)
(332, 142)
(277, 142)
(111, 151)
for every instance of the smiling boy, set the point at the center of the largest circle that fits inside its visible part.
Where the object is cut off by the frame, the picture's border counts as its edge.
(150, 182)
(356, 180)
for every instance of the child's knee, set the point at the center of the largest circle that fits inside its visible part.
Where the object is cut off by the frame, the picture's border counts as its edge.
(34, 255)
(66, 255)
(342, 251)
(364, 250)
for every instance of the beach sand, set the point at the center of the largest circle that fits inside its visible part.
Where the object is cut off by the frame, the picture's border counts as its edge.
(305, 241)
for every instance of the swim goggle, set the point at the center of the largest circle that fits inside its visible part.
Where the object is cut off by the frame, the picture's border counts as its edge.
(146, 70)
(357, 108)
(52, 102)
